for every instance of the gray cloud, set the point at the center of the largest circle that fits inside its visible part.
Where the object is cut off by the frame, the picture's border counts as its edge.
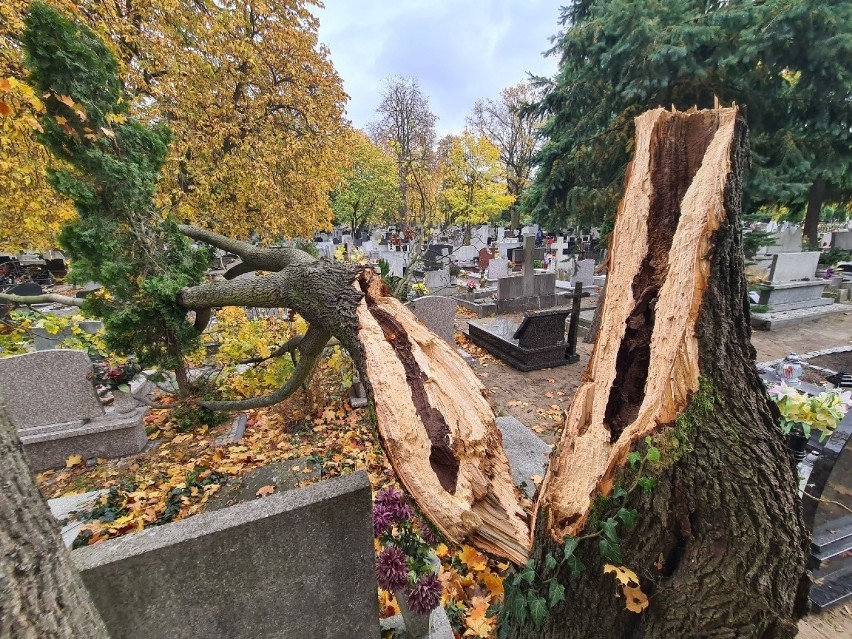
(459, 50)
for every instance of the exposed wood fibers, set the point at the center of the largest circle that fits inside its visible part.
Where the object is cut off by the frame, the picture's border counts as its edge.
(483, 507)
(644, 367)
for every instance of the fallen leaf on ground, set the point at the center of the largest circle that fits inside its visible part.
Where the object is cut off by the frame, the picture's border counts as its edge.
(265, 491)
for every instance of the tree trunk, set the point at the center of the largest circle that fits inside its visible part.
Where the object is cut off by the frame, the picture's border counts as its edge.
(719, 543)
(816, 196)
(41, 594)
(515, 220)
(434, 422)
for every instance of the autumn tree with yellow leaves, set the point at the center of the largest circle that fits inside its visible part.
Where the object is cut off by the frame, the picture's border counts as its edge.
(253, 101)
(473, 189)
(368, 190)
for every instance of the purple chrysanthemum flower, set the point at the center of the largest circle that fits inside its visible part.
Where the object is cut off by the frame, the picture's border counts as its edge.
(392, 569)
(426, 532)
(425, 595)
(395, 503)
(382, 519)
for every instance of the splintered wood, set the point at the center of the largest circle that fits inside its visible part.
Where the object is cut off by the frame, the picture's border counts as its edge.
(438, 429)
(645, 367)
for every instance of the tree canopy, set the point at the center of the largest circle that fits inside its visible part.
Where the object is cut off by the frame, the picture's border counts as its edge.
(406, 127)
(109, 171)
(786, 60)
(368, 190)
(252, 99)
(512, 130)
(473, 189)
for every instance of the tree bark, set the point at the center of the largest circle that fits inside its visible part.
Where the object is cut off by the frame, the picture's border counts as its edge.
(41, 594)
(434, 422)
(719, 543)
(816, 196)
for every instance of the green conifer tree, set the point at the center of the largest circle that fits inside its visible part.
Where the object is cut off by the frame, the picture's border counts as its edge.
(119, 239)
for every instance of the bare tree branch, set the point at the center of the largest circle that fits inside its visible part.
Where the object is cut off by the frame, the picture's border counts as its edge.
(287, 347)
(261, 259)
(240, 268)
(310, 348)
(47, 298)
(202, 318)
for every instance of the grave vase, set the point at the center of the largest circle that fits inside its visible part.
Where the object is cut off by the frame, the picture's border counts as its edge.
(416, 625)
(797, 443)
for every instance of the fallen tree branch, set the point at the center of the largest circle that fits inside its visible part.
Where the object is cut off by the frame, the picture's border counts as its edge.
(261, 259)
(202, 318)
(46, 298)
(312, 344)
(287, 347)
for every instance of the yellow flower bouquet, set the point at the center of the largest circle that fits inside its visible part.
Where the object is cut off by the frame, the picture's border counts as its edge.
(800, 411)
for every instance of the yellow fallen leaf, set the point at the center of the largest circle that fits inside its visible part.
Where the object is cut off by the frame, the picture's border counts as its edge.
(472, 558)
(624, 575)
(637, 600)
(494, 583)
(442, 550)
(536, 479)
(478, 625)
(73, 460)
(265, 491)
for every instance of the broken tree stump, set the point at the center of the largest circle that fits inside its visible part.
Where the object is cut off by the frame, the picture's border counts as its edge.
(718, 544)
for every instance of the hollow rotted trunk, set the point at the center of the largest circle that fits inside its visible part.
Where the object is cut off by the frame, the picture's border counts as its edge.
(718, 544)
(438, 429)
(436, 426)
(41, 594)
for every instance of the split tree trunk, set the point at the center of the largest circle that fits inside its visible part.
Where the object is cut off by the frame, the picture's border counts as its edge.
(436, 426)
(719, 544)
(41, 593)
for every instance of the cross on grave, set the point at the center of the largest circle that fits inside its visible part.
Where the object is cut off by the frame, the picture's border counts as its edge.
(528, 273)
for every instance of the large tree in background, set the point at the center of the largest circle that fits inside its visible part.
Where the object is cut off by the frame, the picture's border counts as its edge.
(511, 128)
(252, 99)
(787, 61)
(368, 190)
(473, 190)
(406, 127)
(110, 164)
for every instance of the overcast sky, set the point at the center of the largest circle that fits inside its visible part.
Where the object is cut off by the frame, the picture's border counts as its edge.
(459, 50)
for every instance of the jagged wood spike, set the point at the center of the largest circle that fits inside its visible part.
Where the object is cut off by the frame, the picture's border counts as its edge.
(438, 429)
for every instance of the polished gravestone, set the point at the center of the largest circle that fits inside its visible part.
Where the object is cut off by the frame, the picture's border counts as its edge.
(825, 505)
(539, 341)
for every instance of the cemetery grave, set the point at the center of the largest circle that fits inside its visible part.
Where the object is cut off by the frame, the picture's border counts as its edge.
(792, 293)
(51, 401)
(825, 473)
(539, 341)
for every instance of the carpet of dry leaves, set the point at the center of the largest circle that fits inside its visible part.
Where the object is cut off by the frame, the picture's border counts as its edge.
(181, 471)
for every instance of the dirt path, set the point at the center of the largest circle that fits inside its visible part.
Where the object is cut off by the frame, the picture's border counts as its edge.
(540, 398)
(831, 330)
